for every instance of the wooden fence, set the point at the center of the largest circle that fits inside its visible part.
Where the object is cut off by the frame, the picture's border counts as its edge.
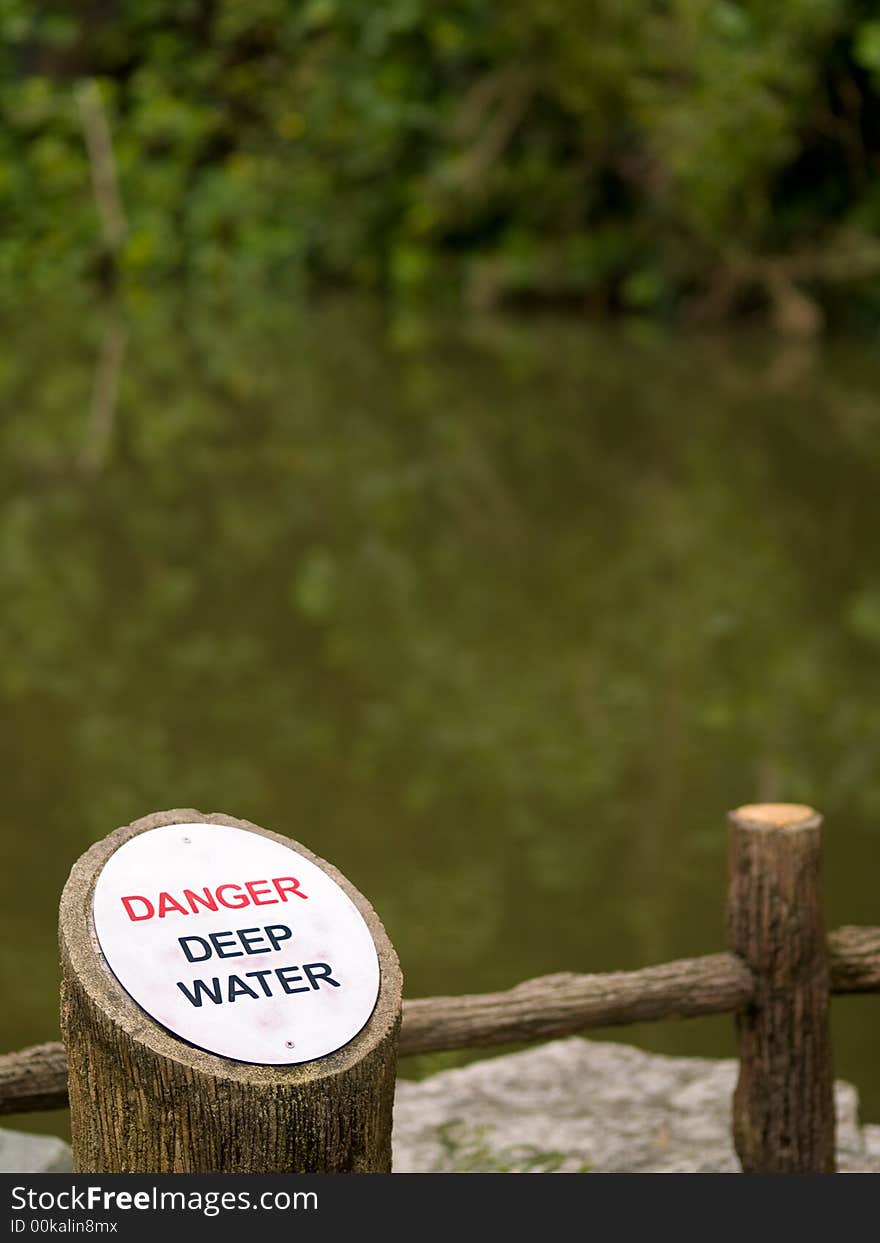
(776, 977)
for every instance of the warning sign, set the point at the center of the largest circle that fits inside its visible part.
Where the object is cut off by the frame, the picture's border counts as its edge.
(236, 943)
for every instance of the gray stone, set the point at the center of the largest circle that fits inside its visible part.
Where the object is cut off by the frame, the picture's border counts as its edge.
(21, 1153)
(568, 1106)
(580, 1104)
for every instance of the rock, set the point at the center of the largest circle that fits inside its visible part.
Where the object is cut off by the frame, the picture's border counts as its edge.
(21, 1153)
(577, 1104)
(871, 1138)
(569, 1106)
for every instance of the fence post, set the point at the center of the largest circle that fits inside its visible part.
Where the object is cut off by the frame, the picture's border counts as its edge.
(783, 1110)
(143, 1100)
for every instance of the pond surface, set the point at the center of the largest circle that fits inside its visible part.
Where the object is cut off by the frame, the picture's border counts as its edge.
(501, 618)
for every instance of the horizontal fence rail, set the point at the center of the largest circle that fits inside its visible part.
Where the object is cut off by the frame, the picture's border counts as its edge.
(550, 1006)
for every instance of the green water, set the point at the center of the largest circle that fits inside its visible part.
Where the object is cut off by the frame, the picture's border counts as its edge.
(500, 617)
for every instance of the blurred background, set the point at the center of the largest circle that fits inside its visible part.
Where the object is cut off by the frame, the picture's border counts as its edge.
(447, 434)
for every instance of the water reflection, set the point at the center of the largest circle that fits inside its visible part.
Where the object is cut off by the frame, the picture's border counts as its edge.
(500, 619)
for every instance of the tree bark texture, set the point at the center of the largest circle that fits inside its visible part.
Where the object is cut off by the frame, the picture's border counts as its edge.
(784, 1102)
(558, 1005)
(143, 1101)
(539, 1009)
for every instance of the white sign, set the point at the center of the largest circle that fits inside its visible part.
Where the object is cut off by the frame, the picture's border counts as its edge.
(236, 943)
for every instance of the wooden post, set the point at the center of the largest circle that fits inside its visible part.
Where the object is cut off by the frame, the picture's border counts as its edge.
(144, 1101)
(783, 1111)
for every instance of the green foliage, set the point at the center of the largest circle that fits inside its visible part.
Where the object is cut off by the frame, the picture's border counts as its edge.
(624, 152)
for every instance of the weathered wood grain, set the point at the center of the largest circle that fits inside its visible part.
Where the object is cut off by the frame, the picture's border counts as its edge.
(783, 1108)
(142, 1101)
(36, 1078)
(557, 1005)
(33, 1079)
(855, 960)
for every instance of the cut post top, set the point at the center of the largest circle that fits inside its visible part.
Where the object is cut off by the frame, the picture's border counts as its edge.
(775, 816)
(91, 973)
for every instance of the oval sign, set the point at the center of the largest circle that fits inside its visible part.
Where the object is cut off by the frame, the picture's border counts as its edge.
(236, 943)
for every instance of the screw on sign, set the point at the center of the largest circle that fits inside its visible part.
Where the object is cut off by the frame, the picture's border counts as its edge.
(230, 1004)
(236, 943)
